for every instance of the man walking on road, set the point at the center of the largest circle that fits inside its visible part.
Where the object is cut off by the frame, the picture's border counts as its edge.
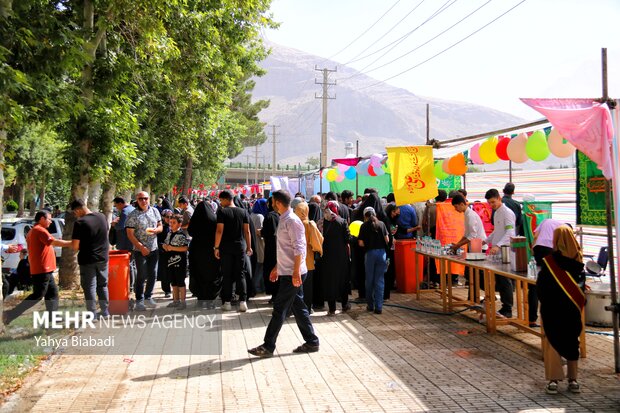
(143, 225)
(90, 238)
(42, 259)
(291, 271)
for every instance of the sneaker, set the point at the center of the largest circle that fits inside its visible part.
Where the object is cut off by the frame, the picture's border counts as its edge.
(346, 308)
(167, 295)
(573, 386)
(132, 304)
(378, 311)
(243, 306)
(140, 306)
(331, 313)
(260, 351)
(150, 303)
(552, 387)
(181, 305)
(506, 313)
(369, 308)
(173, 304)
(226, 307)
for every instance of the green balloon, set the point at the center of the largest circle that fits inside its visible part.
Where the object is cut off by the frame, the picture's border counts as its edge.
(439, 172)
(536, 146)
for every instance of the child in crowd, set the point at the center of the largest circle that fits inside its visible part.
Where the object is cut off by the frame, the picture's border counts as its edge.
(176, 245)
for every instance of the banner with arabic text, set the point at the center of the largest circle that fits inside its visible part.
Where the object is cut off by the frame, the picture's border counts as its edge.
(412, 171)
(590, 193)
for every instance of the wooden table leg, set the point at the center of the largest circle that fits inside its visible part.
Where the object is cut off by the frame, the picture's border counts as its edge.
(449, 282)
(442, 285)
(489, 281)
(519, 300)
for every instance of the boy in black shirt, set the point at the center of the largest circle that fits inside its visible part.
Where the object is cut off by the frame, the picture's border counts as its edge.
(175, 245)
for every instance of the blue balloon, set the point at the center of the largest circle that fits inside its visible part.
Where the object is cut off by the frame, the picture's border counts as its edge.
(350, 173)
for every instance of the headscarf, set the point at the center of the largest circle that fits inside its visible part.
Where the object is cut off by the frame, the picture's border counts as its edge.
(331, 211)
(564, 241)
(296, 201)
(372, 200)
(302, 210)
(260, 207)
(314, 212)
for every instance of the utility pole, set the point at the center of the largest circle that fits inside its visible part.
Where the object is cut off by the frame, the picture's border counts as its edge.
(428, 124)
(256, 160)
(274, 142)
(325, 83)
(247, 169)
(357, 178)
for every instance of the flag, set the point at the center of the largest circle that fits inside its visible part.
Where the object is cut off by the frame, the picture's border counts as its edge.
(412, 170)
(534, 212)
(591, 209)
(278, 182)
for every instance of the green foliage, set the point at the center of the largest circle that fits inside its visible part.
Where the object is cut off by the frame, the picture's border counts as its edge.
(11, 206)
(151, 85)
(313, 161)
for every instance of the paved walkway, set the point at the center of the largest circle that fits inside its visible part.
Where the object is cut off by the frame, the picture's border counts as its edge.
(399, 361)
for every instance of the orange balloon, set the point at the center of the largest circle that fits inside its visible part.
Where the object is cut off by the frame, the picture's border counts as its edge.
(558, 147)
(457, 165)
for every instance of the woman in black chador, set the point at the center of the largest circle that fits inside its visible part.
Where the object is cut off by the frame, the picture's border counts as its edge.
(335, 281)
(204, 268)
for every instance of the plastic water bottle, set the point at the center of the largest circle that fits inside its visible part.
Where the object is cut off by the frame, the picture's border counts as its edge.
(531, 269)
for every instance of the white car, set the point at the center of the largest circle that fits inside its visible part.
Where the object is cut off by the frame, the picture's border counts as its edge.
(15, 233)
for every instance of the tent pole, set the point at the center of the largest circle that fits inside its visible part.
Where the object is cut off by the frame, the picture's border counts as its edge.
(614, 307)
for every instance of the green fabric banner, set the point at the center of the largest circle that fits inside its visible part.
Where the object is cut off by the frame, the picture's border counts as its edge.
(533, 214)
(451, 183)
(590, 193)
(383, 184)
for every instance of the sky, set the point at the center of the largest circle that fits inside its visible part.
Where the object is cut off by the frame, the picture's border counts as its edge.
(541, 48)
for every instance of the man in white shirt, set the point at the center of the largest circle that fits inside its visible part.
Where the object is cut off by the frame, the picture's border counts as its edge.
(473, 224)
(504, 228)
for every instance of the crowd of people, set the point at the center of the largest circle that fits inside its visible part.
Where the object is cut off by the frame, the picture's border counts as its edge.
(300, 253)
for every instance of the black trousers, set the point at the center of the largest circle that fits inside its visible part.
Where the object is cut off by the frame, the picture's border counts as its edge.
(390, 275)
(43, 286)
(233, 273)
(308, 289)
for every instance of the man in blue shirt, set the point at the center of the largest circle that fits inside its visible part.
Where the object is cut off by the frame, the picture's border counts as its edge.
(291, 272)
(405, 218)
(122, 241)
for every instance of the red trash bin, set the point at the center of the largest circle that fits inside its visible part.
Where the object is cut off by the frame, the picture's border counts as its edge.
(118, 282)
(404, 256)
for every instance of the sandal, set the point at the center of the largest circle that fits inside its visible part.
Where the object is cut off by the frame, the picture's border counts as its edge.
(552, 387)
(573, 386)
(260, 351)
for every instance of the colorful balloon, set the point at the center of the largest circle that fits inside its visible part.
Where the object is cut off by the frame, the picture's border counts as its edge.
(536, 147)
(362, 167)
(386, 167)
(457, 164)
(487, 151)
(331, 175)
(340, 178)
(516, 149)
(439, 173)
(379, 171)
(375, 159)
(445, 166)
(501, 147)
(350, 173)
(354, 228)
(559, 146)
(474, 154)
(371, 170)
(342, 167)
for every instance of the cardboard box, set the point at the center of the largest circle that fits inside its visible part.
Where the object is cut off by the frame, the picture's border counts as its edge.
(518, 247)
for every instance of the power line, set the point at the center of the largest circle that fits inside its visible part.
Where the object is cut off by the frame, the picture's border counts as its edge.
(355, 58)
(423, 44)
(437, 13)
(444, 50)
(364, 32)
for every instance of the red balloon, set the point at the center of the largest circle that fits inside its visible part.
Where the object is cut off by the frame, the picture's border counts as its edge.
(501, 149)
(371, 171)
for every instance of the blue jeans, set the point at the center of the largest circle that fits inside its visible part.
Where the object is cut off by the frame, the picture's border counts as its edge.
(376, 265)
(94, 279)
(146, 272)
(289, 295)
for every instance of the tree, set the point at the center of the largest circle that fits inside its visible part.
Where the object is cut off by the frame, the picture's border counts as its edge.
(313, 161)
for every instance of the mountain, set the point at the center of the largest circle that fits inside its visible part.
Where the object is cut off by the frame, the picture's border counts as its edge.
(377, 116)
